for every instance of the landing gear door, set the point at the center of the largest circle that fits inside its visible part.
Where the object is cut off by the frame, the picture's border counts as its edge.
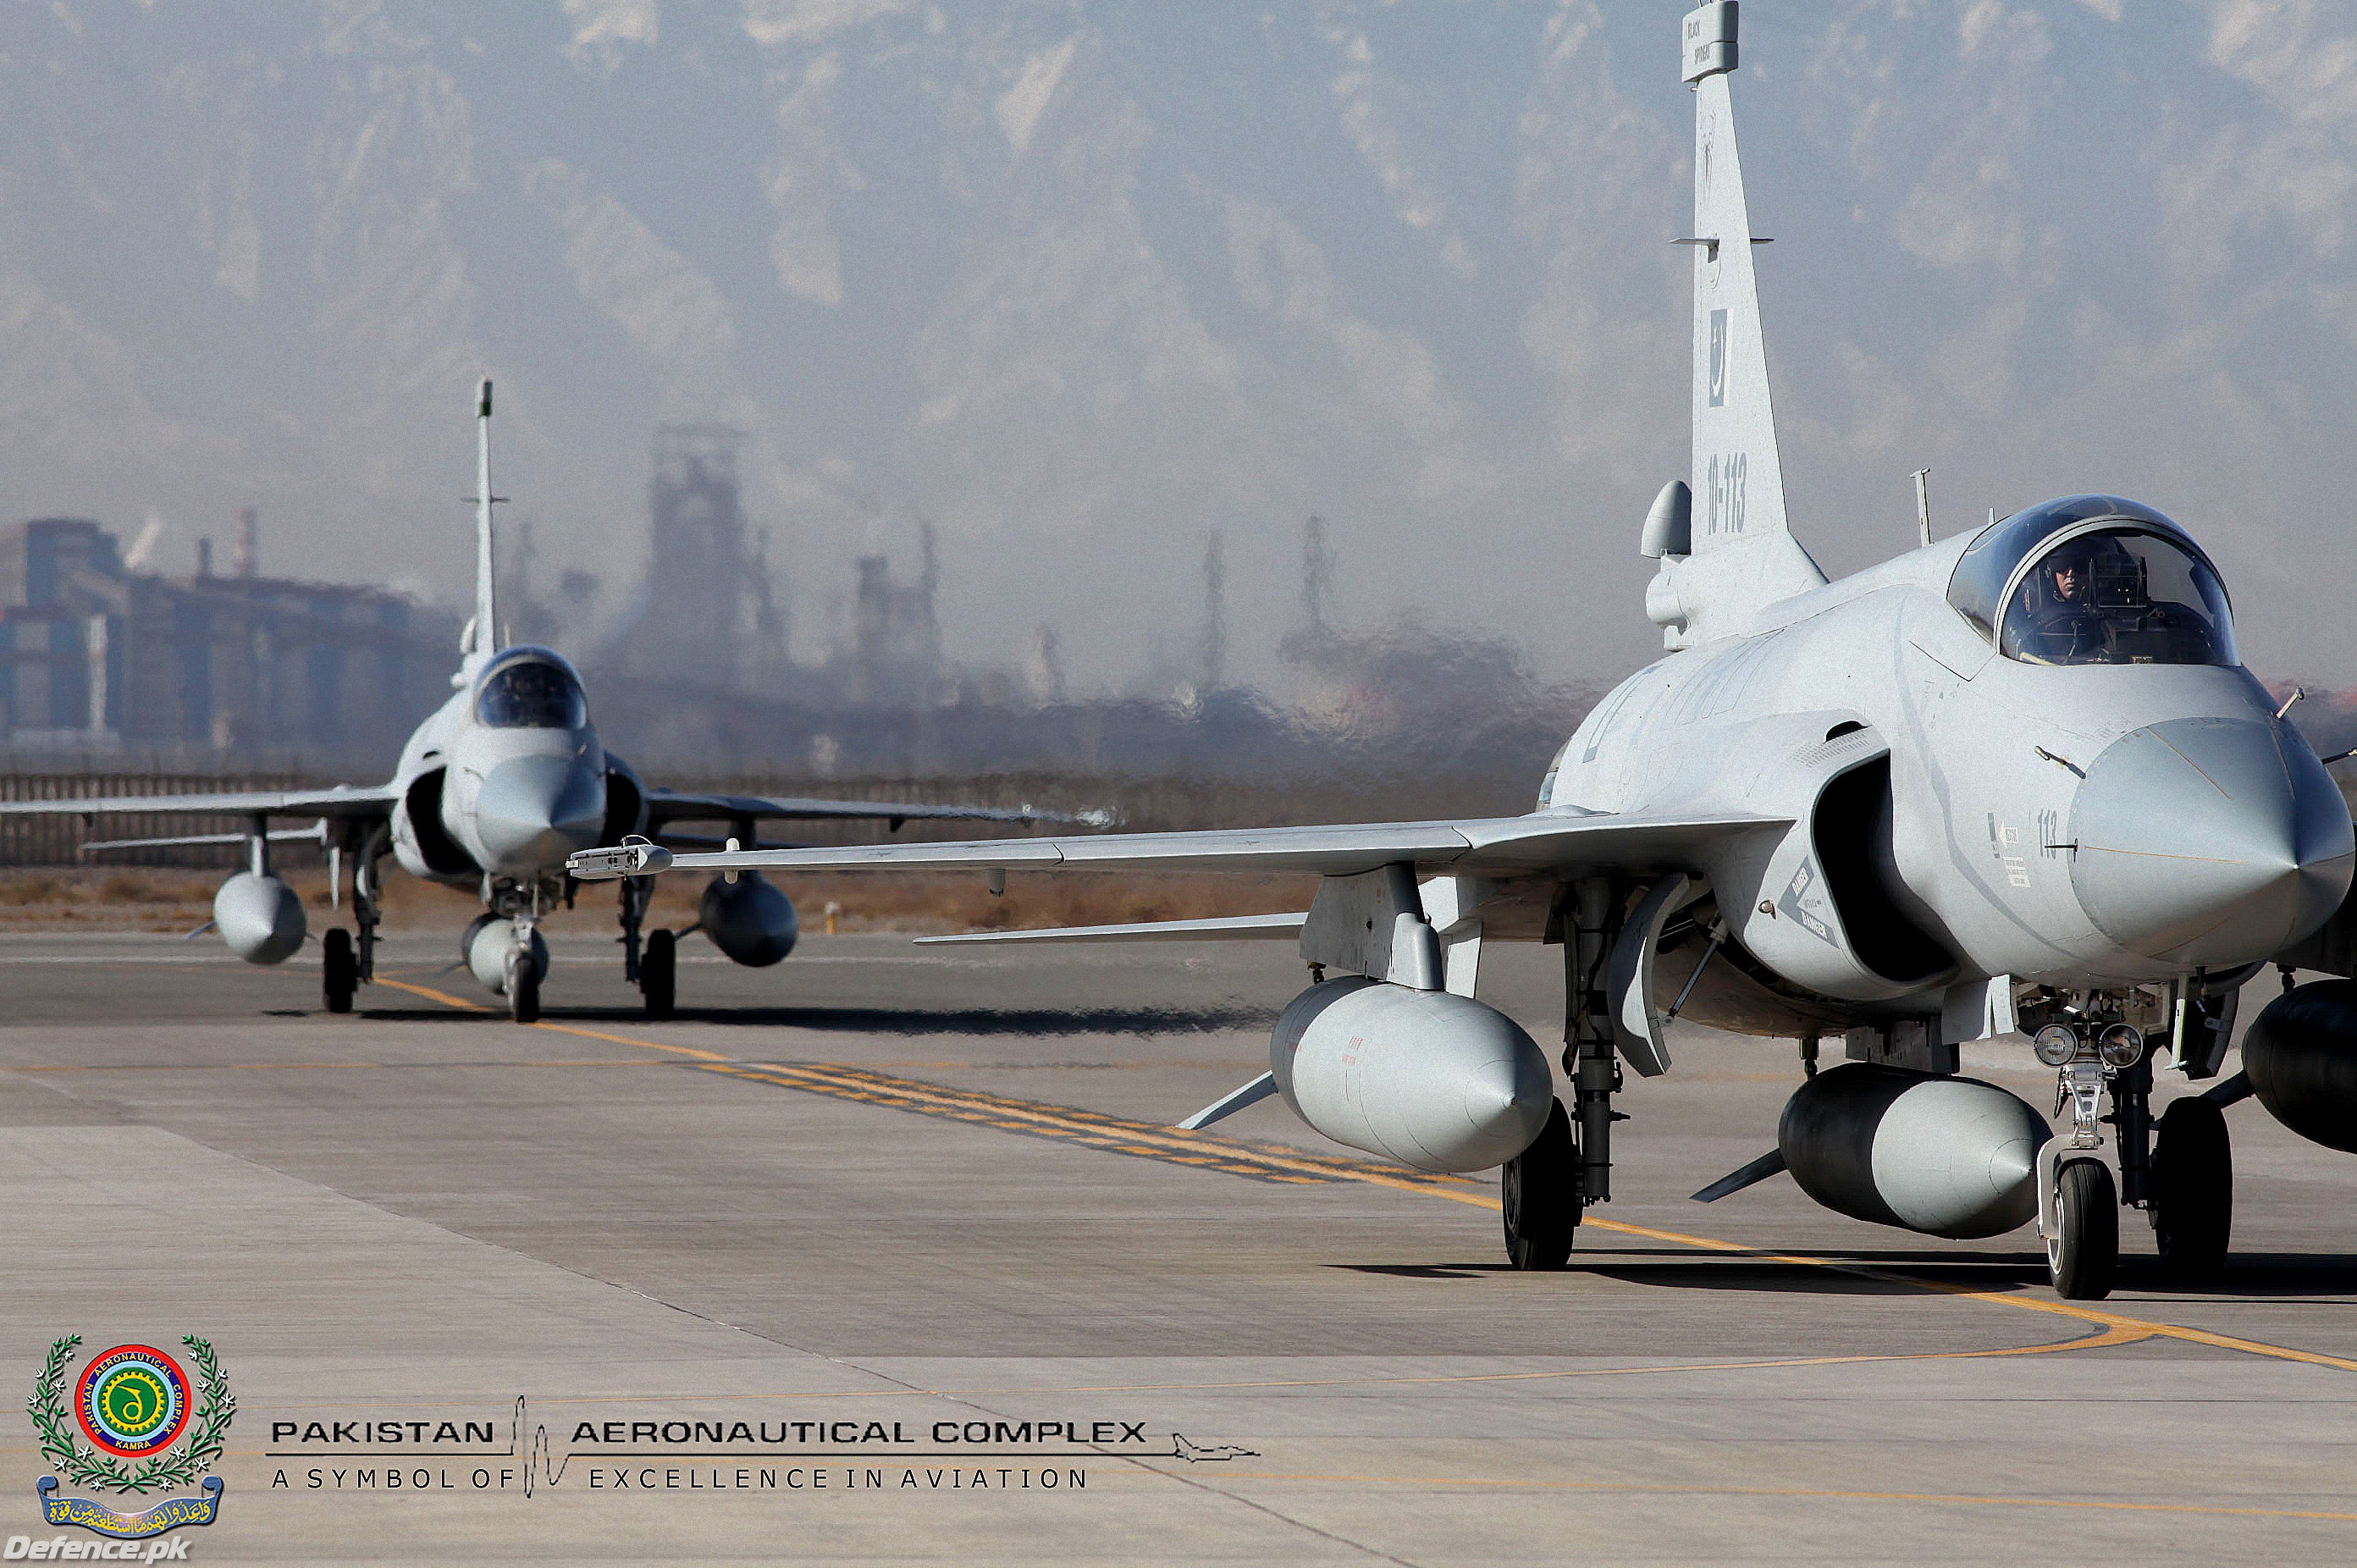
(1636, 1027)
(2203, 1025)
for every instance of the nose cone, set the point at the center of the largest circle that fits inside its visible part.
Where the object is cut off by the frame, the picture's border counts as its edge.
(2209, 842)
(532, 812)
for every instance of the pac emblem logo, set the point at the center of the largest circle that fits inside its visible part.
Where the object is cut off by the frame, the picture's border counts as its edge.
(1718, 358)
(135, 1405)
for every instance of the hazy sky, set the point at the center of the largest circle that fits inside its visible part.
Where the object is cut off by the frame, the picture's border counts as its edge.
(1079, 282)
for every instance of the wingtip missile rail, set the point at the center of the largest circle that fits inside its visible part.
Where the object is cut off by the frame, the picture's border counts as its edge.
(631, 857)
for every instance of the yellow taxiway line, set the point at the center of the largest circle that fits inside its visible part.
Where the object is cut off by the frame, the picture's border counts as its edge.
(1121, 1135)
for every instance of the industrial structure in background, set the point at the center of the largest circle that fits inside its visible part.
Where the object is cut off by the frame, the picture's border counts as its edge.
(108, 663)
(708, 613)
(100, 659)
(895, 657)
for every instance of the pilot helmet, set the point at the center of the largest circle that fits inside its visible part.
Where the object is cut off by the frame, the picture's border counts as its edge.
(2074, 556)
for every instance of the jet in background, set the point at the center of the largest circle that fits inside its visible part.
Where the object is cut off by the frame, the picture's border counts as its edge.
(2014, 782)
(493, 790)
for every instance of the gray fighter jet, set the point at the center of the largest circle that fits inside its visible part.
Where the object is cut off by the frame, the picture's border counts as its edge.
(493, 790)
(2014, 782)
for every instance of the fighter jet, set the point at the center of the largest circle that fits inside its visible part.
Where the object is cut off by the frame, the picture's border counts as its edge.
(493, 790)
(2014, 782)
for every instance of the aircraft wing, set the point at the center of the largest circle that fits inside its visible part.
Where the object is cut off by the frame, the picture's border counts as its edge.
(664, 806)
(1544, 842)
(340, 802)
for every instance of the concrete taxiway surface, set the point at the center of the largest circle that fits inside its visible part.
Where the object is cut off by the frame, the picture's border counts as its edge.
(883, 1205)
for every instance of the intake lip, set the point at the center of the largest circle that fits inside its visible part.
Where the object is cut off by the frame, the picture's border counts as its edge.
(2209, 842)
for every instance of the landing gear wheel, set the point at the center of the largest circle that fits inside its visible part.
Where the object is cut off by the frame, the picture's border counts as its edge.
(658, 971)
(523, 990)
(2086, 1253)
(2193, 1188)
(1539, 1197)
(340, 969)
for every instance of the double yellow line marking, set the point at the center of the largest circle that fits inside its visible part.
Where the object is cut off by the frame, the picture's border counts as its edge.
(1273, 1164)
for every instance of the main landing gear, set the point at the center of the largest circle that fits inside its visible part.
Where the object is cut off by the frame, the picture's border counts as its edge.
(1544, 1191)
(2192, 1187)
(340, 969)
(655, 971)
(1538, 1193)
(345, 965)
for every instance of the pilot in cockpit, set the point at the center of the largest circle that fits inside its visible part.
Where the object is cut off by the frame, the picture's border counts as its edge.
(2093, 580)
(2091, 601)
(2067, 573)
(2063, 626)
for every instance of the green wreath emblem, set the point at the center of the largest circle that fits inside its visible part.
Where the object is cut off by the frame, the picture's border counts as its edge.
(85, 1466)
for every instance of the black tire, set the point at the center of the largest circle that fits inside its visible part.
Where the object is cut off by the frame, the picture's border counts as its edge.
(523, 990)
(1538, 1195)
(2193, 1188)
(340, 969)
(2086, 1255)
(659, 974)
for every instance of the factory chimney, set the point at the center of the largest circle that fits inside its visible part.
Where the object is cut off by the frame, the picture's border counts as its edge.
(1215, 614)
(249, 544)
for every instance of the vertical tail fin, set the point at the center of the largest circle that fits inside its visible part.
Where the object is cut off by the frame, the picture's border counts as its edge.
(1739, 482)
(487, 625)
(1743, 557)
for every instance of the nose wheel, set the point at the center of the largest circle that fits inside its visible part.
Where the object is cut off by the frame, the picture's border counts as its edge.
(523, 973)
(2083, 1248)
(524, 989)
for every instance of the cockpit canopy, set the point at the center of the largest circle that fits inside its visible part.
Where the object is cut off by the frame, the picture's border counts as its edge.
(532, 688)
(2093, 580)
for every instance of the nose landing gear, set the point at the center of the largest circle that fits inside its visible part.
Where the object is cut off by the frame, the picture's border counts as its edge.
(516, 972)
(523, 987)
(2078, 1206)
(522, 972)
(2180, 1173)
(2095, 1054)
